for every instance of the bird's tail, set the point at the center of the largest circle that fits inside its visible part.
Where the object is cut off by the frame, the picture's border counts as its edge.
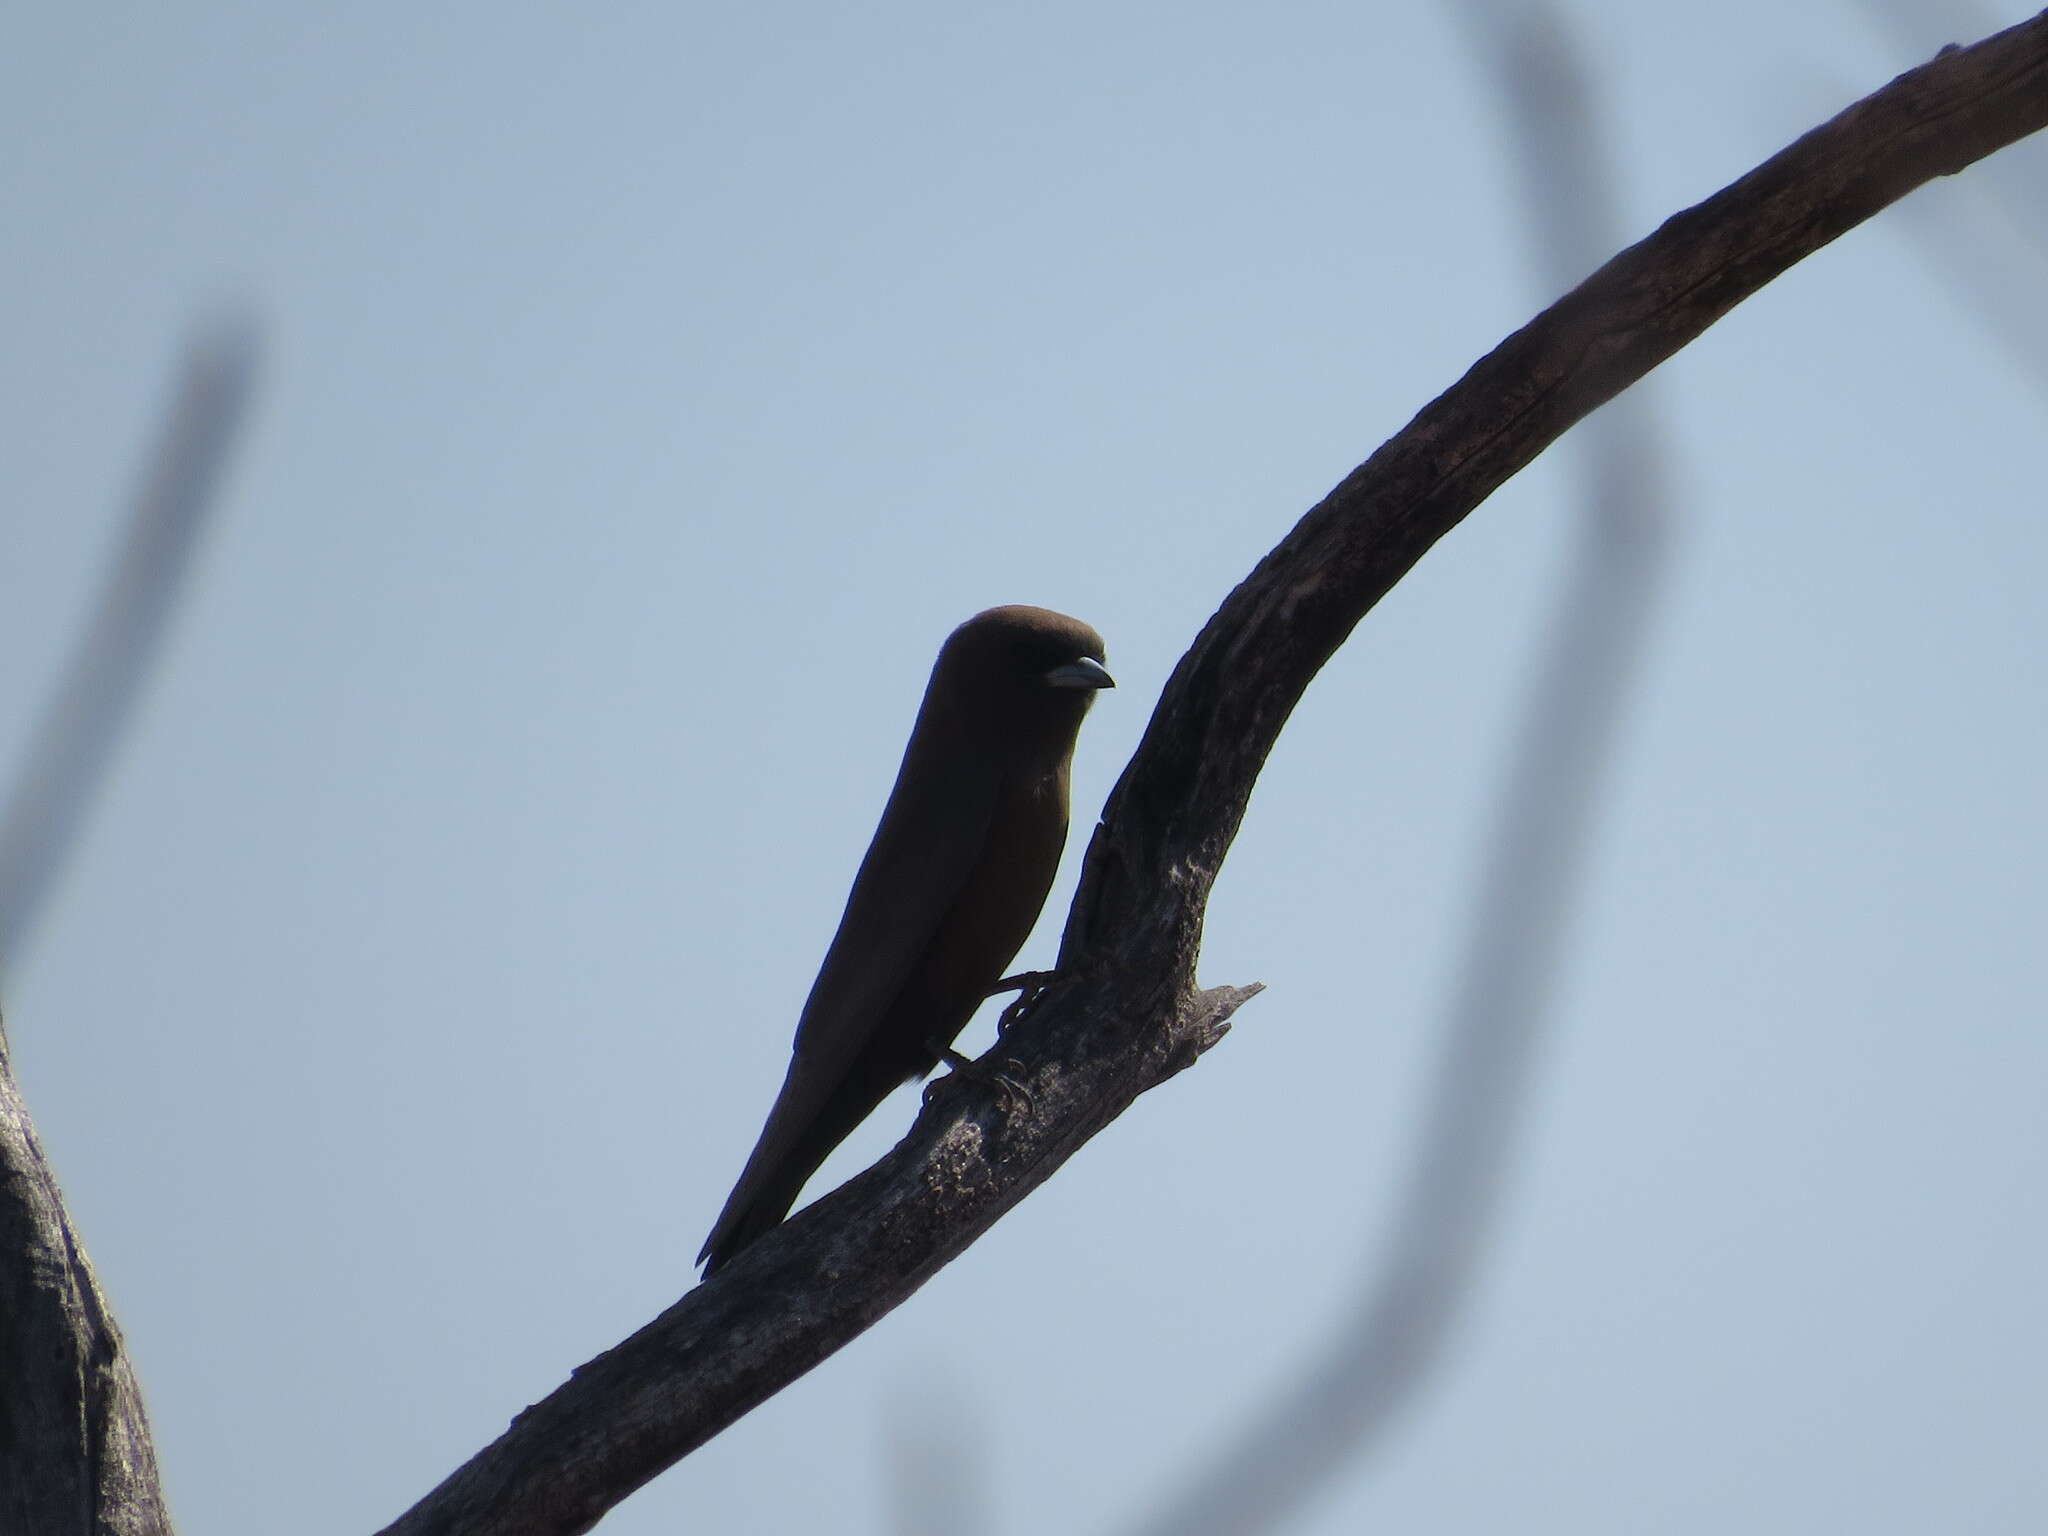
(795, 1141)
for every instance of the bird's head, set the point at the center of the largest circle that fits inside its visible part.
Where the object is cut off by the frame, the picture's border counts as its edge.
(1027, 673)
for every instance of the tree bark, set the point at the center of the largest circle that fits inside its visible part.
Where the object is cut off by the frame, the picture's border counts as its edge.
(75, 1452)
(1126, 1014)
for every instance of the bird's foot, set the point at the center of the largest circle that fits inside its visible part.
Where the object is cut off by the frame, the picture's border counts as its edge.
(1012, 1091)
(1027, 985)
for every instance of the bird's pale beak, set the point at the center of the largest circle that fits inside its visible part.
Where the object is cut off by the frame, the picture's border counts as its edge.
(1085, 673)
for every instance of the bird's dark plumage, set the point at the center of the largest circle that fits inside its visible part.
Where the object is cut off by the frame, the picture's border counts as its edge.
(950, 888)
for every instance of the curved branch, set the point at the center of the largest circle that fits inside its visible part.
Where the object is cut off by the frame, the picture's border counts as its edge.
(1125, 1014)
(1389, 1341)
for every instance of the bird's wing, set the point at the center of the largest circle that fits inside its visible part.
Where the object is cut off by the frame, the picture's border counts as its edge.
(932, 834)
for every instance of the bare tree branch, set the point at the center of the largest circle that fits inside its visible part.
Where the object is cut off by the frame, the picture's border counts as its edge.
(1374, 1362)
(1126, 1014)
(1987, 241)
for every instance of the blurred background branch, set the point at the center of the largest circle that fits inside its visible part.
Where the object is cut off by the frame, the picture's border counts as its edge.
(76, 1454)
(1376, 1361)
(935, 1446)
(74, 742)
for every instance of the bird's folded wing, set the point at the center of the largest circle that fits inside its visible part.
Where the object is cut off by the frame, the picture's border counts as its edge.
(933, 832)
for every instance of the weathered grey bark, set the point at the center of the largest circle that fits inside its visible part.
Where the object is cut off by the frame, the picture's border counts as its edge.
(75, 1452)
(1126, 1014)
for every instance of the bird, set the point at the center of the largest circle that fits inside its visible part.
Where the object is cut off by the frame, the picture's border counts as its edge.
(950, 888)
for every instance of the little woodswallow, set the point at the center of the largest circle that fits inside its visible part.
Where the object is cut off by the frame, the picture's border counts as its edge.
(947, 894)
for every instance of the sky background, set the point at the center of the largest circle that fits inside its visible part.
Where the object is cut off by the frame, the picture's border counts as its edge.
(647, 390)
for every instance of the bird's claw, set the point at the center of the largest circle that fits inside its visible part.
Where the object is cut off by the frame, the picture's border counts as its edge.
(1009, 1088)
(1027, 985)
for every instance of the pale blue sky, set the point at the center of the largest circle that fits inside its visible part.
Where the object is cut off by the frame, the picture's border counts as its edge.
(645, 396)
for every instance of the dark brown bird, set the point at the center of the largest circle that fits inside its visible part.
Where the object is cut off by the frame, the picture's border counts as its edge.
(950, 888)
